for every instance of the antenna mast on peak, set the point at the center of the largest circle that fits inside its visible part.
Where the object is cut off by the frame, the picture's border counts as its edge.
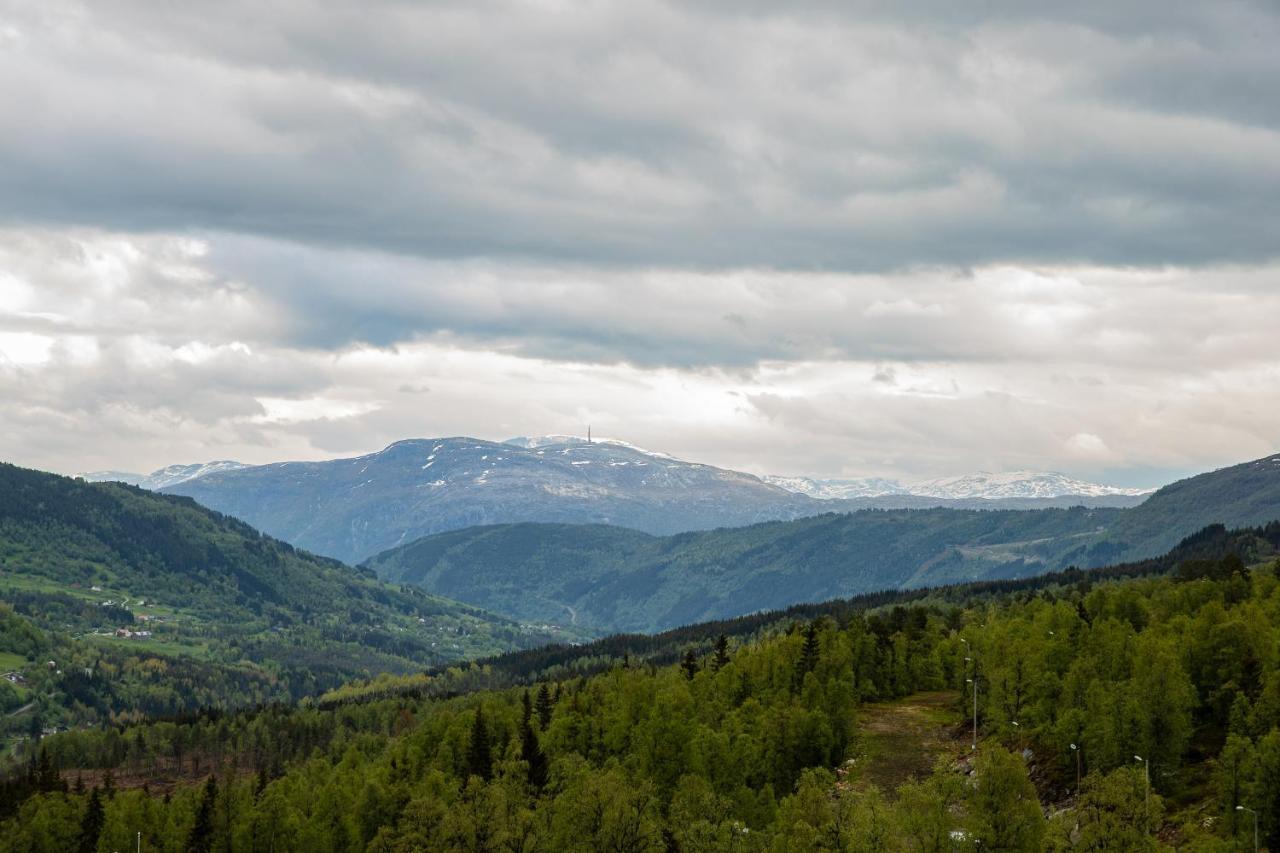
(588, 433)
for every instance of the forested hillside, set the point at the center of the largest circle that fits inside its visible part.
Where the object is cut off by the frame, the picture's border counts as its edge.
(763, 742)
(612, 579)
(121, 601)
(620, 580)
(1241, 495)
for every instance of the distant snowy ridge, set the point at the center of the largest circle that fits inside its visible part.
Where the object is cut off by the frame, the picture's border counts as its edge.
(1016, 484)
(170, 475)
(982, 485)
(533, 442)
(833, 490)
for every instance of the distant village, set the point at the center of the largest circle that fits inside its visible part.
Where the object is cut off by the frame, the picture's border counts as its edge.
(127, 633)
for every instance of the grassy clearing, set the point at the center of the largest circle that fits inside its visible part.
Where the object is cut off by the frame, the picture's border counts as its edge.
(37, 583)
(903, 740)
(9, 660)
(152, 645)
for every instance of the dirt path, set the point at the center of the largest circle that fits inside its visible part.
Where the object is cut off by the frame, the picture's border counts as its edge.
(903, 739)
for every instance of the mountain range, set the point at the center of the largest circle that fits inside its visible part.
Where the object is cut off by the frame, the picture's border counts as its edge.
(982, 485)
(354, 508)
(615, 579)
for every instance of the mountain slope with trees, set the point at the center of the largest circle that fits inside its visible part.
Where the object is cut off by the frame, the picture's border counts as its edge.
(110, 577)
(614, 579)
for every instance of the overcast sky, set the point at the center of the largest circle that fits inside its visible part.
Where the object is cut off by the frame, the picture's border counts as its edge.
(825, 238)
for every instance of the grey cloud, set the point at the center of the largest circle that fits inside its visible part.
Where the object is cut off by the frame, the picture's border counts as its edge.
(713, 228)
(820, 136)
(230, 291)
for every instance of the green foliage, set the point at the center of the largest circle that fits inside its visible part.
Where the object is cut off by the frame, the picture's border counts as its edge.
(1115, 812)
(621, 580)
(479, 756)
(200, 838)
(739, 756)
(91, 825)
(235, 617)
(614, 579)
(1005, 811)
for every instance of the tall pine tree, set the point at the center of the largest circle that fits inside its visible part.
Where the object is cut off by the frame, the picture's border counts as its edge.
(200, 839)
(722, 652)
(544, 706)
(808, 655)
(689, 664)
(91, 825)
(479, 757)
(530, 749)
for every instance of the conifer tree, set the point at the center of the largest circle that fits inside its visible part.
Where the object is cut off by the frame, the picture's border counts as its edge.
(91, 825)
(722, 652)
(47, 778)
(690, 664)
(544, 706)
(479, 758)
(808, 655)
(200, 839)
(530, 749)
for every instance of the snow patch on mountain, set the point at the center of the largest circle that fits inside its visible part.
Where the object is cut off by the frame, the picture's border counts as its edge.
(170, 475)
(837, 489)
(534, 442)
(1016, 484)
(982, 485)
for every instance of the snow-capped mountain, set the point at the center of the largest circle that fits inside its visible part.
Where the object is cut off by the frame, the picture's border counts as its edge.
(170, 475)
(112, 477)
(837, 489)
(1012, 485)
(1015, 484)
(354, 508)
(533, 442)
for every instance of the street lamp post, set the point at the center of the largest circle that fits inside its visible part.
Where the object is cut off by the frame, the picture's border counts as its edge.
(974, 682)
(1076, 750)
(1146, 799)
(1255, 824)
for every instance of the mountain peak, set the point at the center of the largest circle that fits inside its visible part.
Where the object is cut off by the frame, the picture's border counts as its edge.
(534, 442)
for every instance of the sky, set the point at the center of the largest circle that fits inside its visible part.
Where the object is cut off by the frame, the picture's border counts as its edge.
(904, 239)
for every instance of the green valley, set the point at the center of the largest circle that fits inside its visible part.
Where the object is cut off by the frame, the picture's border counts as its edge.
(120, 603)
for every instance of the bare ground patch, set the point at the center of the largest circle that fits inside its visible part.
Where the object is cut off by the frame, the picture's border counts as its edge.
(903, 740)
